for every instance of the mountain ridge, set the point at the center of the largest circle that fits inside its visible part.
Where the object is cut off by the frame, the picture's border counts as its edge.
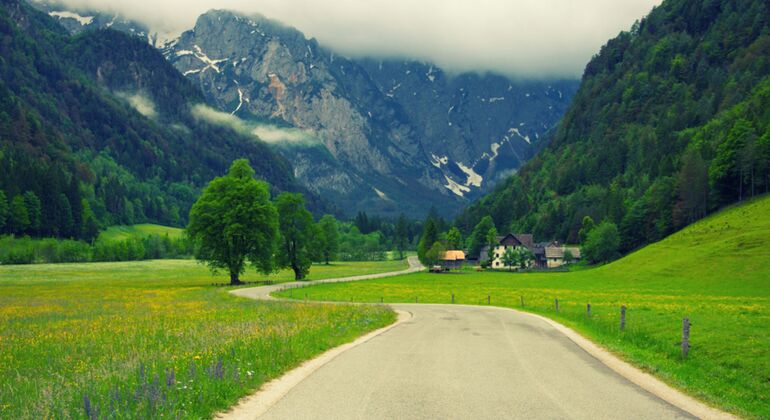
(384, 145)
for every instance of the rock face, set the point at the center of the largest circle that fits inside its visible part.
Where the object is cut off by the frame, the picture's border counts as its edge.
(380, 136)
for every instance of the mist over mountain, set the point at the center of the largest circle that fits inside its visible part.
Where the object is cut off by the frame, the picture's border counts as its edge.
(384, 136)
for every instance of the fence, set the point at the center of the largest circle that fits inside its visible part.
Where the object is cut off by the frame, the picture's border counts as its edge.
(621, 322)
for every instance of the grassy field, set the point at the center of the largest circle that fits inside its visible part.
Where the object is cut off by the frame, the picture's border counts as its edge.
(716, 272)
(122, 233)
(152, 339)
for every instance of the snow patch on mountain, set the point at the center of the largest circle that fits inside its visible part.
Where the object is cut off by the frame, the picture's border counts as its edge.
(240, 101)
(82, 20)
(518, 133)
(458, 189)
(474, 179)
(381, 194)
(438, 161)
(210, 64)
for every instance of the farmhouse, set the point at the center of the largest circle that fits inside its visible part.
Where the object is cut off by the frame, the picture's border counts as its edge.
(545, 254)
(509, 241)
(553, 255)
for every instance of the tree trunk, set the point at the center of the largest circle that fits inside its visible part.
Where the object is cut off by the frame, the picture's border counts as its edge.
(297, 273)
(234, 280)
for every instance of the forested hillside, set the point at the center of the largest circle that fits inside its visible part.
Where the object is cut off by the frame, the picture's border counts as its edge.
(96, 130)
(672, 121)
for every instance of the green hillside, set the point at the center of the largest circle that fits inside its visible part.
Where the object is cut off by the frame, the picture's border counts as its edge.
(122, 233)
(716, 272)
(671, 122)
(97, 131)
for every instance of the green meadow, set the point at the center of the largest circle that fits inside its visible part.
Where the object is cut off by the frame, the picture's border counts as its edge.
(716, 272)
(122, 233)
(153, 339)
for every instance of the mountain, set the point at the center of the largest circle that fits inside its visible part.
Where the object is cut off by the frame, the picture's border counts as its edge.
(670, 122)
(99, 129)
(381, 136)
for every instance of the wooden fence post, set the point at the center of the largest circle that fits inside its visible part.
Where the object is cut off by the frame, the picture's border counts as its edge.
(489, 299)
(685, 337)
(453, 298)
(556, 301)
(623, 318)
(588, 310)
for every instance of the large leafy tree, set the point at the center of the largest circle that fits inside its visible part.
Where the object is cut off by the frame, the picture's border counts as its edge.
(297, 234)
(234, 221)
(328, 238)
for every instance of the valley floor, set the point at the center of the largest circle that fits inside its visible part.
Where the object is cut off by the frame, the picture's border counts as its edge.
(154, 338)
(717, 273)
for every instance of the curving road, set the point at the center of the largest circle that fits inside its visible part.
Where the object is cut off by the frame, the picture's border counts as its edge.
(463, 362)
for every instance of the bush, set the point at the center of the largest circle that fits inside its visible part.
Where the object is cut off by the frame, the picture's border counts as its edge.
(26, 250)
(603, 243)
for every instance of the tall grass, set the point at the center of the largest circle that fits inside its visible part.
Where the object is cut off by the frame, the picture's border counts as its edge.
(153, 339)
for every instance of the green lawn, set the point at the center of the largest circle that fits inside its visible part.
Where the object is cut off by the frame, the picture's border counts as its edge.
(122, 233)
(153, 339)
(716, 272)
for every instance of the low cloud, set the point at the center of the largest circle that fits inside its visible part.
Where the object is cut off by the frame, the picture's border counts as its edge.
(525, 38)
(212, 116)
(140, 102)
(268, 133)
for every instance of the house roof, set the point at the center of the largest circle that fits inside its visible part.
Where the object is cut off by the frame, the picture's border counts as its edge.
(525, 239)
(453, 256)
(558, 251)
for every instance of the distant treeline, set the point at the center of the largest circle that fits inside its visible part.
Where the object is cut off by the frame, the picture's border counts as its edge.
(26, 250)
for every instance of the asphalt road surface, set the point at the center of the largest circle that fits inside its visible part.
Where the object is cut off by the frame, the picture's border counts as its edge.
(466, 362)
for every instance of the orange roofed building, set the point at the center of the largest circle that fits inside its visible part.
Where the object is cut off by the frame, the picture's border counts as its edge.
(453, 259)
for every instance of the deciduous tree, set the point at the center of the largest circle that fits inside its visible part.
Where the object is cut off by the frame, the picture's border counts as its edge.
(430, 236)
(603, 243)
(454, 238)
(478, 238)
(234, 221)
(328, 235)
(297, 230)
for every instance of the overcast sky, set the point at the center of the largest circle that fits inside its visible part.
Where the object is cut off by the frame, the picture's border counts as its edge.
(524, 38)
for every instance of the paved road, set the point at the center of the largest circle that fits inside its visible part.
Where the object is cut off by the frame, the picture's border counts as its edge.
(464, 362)
(263, 293)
